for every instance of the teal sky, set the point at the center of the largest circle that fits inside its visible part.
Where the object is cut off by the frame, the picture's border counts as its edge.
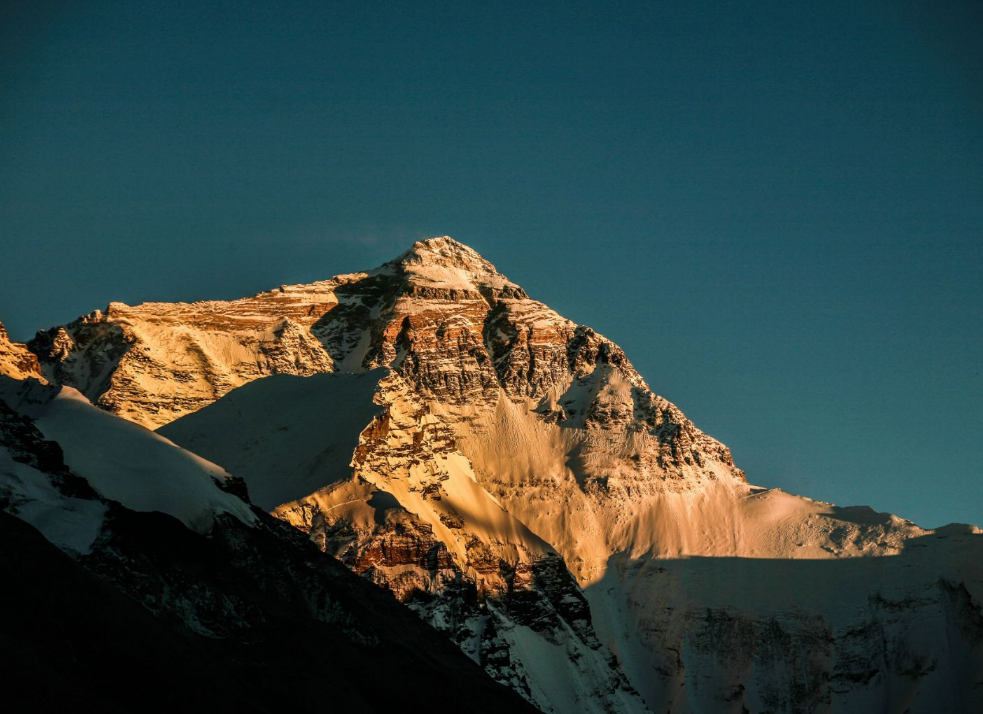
(775, 208)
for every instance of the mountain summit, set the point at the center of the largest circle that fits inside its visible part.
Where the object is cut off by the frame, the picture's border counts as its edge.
(510, 476)
(444, 262)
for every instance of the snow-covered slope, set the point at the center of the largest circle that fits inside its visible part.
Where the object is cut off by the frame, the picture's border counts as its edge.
(506, 436)
(35, 486)
(292, 436)
(898, 633)
(125, 462)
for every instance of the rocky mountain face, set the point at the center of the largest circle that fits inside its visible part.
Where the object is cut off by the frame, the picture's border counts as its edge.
(155, 362)
(510, 476)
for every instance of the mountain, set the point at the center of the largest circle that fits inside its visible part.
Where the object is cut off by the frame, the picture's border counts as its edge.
(510, 476)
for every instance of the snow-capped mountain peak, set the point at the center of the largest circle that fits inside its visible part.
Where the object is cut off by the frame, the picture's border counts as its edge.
(512, 476)
(444, 263)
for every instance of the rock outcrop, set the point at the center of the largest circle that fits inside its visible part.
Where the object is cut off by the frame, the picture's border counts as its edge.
(16, 360)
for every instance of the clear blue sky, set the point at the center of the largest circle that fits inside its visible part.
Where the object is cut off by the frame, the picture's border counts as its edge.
(776, 208)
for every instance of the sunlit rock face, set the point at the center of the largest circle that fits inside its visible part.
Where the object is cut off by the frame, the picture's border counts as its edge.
(509, 475)
(16, 360)
(157, 361)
